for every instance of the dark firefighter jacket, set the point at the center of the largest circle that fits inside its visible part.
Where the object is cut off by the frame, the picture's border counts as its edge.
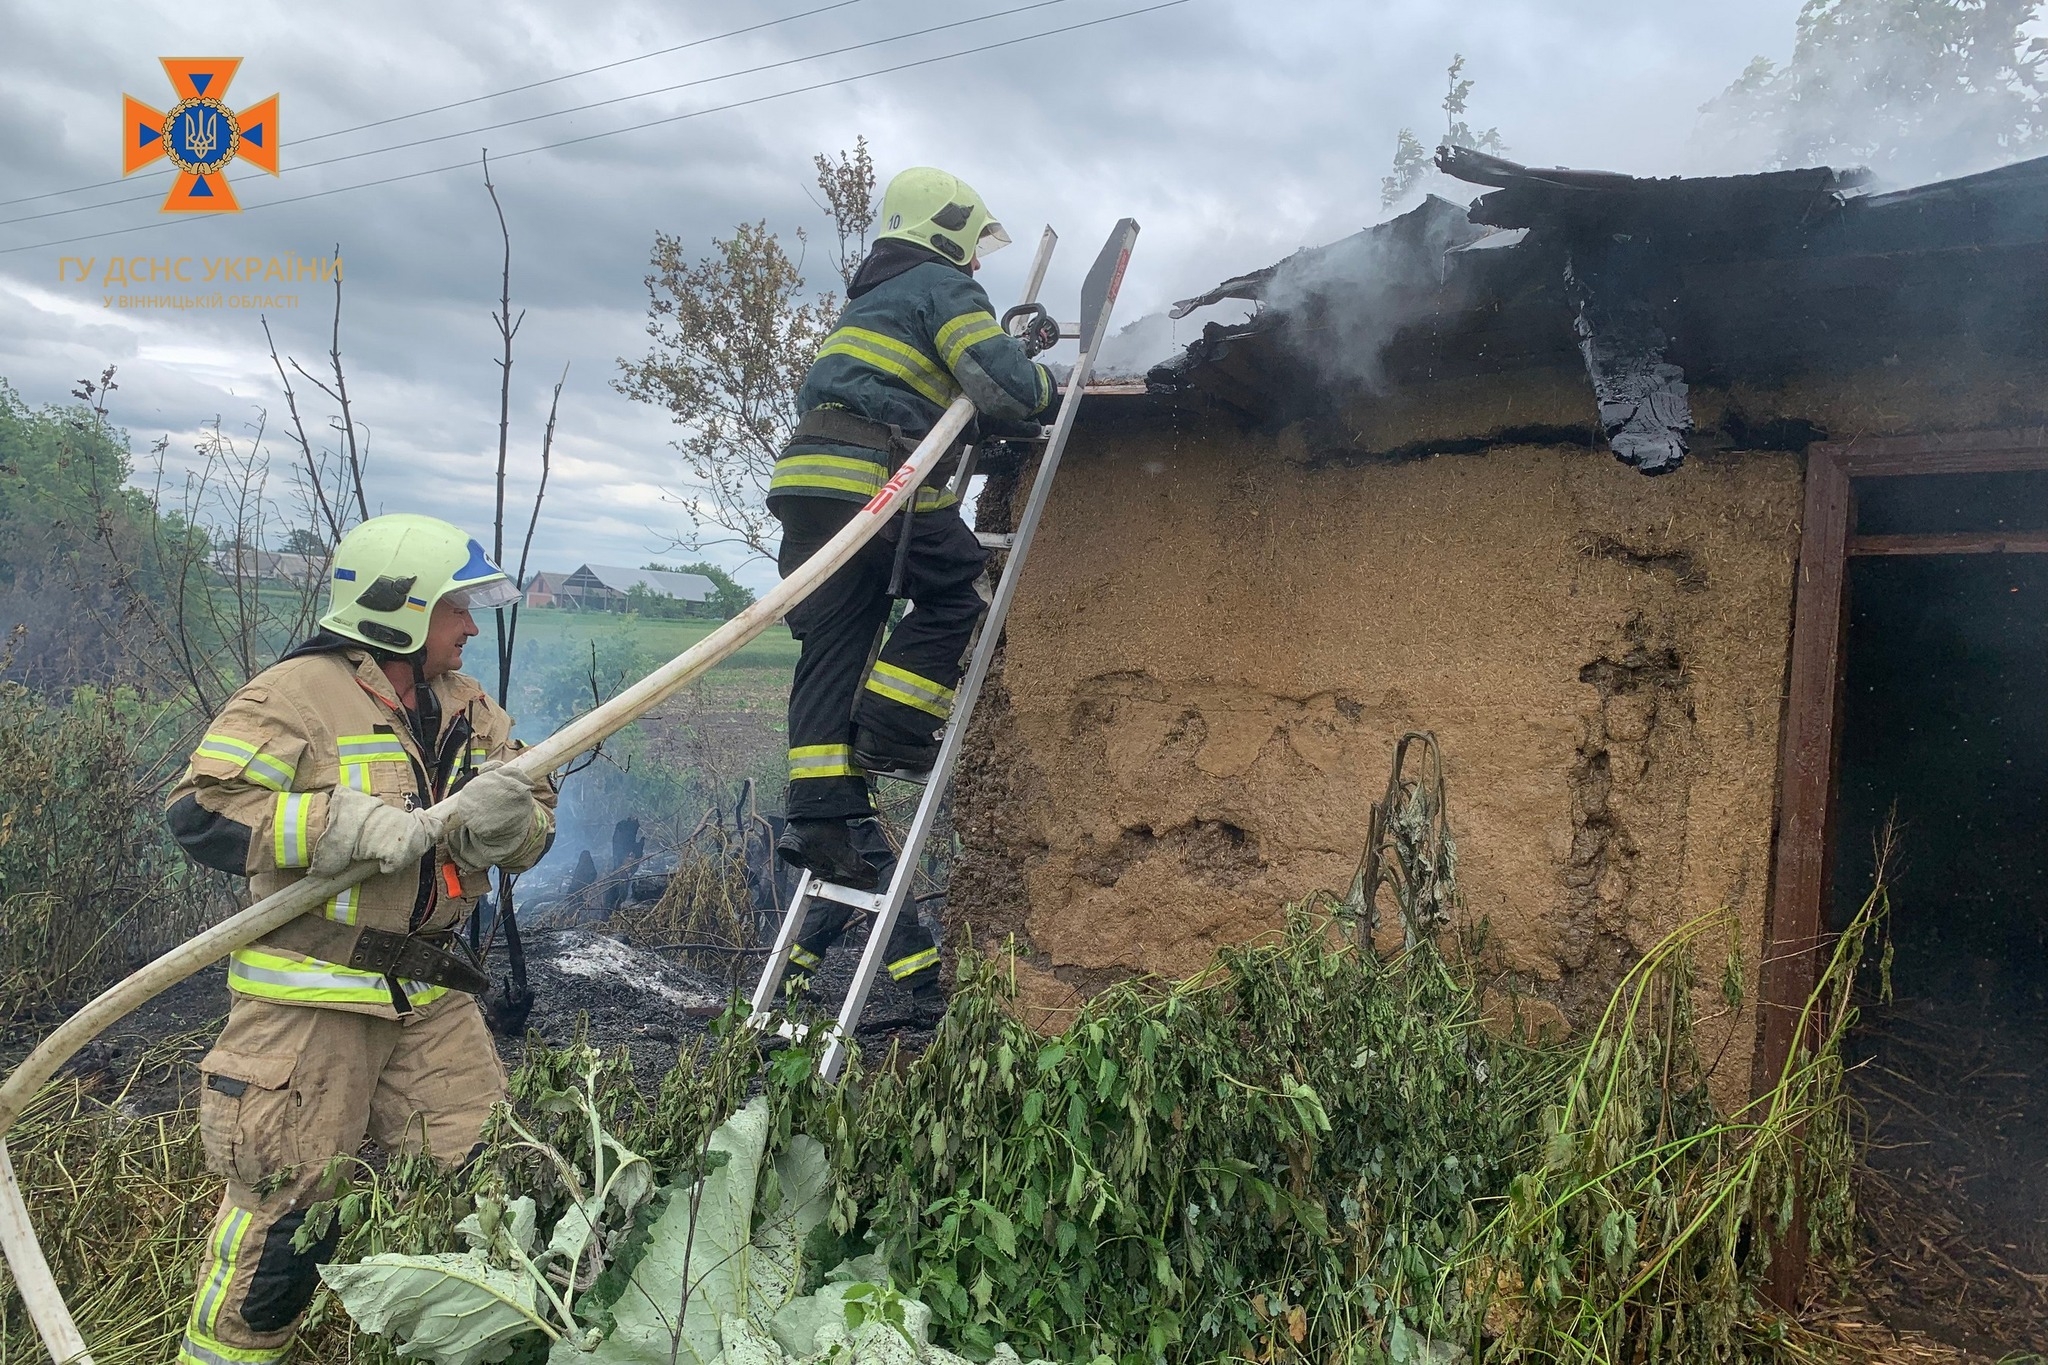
(916, 333)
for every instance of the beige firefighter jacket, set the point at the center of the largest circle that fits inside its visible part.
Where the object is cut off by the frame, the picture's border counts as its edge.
(254, 801)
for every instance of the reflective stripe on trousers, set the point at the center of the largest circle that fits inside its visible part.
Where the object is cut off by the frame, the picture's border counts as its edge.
(822, 760)
(309, 981)
(913, 964)
(901, 685)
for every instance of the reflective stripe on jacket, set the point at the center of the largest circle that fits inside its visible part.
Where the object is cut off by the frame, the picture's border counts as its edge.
(902, 351)
(253, 801)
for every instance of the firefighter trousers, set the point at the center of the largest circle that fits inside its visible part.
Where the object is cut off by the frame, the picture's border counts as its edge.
(912, 956)
(287, 1088)
(907, 695)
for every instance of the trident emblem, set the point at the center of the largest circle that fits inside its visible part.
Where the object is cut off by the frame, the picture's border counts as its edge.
(202, 133)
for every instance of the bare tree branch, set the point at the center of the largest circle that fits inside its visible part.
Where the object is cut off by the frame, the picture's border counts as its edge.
(509, 621)
(348, 426)
(291, 401)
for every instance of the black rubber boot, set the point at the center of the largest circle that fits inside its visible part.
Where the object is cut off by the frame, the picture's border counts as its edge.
(825, 848)
(868, 840)
(886, 758)
(927, 1004)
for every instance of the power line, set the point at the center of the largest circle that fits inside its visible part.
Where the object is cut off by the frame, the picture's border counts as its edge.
(586, 71)
(574, 109)
(631, 127)
(478, 99)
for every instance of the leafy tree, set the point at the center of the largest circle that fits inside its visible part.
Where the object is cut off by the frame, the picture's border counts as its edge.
(732, 338)
(1412, 160)
(729, 600)
(1457, 133)
(1411, 163)
(1922, 88)
(849, 188)
(303, 540)
(74, 540)
(731, 344)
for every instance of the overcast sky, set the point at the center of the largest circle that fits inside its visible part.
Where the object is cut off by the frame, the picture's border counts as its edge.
(1234, 131)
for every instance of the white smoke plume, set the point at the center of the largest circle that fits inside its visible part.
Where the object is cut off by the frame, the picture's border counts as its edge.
(1917, 90)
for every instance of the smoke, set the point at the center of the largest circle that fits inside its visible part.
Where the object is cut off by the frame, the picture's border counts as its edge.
(1159, 337)
(1344, 303)
(557, 679)
(1917, 90)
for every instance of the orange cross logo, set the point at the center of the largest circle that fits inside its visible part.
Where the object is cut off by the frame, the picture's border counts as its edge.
(200, 135)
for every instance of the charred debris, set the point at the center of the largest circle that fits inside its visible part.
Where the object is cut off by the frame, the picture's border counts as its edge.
(1649, 289)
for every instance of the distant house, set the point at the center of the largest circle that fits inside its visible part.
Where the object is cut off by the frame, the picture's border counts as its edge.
(542, 589)
(267, 566)
(603, 587)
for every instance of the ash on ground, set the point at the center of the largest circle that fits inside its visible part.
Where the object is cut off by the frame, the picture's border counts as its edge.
(655, 1006)
(632, 997)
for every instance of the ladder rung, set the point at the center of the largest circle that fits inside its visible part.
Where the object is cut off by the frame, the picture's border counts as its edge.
(874, 902)
(796, 1033)
(995, 540)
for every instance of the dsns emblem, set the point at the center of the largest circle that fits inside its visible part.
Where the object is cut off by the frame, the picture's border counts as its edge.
(200, 136)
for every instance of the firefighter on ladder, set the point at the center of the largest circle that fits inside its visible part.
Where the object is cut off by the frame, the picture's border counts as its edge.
(916, 333)
(358, 1020)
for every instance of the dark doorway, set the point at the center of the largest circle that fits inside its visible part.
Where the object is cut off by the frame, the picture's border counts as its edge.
(1945, 738)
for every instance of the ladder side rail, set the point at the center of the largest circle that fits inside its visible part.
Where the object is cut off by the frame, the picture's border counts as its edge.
(785, 944)
(1107, 275)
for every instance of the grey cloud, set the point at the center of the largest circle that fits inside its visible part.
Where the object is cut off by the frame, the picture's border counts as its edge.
(1235, 130)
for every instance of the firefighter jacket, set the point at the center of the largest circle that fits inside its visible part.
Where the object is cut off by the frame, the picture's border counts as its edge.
(916, 333)
(253, 801)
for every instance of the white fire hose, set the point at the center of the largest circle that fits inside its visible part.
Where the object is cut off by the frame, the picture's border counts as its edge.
(32, 1277)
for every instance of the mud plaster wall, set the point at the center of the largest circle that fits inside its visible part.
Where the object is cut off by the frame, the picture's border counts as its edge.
(1215, 647)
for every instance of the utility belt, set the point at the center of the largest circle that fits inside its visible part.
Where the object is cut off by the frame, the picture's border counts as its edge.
(425, 958)
(885, 438)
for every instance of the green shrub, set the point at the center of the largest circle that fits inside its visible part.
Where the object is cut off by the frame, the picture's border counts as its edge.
(91, 884)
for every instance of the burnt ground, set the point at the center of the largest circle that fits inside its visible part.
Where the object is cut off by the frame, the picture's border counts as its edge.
(1944, 782)
(1953, 1193)
(631, 997)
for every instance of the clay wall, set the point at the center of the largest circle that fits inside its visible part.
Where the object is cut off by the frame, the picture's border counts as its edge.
(1219, 639)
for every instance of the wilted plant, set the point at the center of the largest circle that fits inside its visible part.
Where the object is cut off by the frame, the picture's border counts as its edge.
(122, 1203)
(90, 883)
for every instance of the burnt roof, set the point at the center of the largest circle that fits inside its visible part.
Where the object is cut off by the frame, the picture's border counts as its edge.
(1647, 284)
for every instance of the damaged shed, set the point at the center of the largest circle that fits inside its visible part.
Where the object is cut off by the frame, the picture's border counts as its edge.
(1409, 493)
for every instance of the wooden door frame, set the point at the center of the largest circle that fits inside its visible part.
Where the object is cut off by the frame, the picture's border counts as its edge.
(1802, 860)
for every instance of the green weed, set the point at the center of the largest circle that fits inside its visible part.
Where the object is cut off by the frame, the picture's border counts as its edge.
(1307, 1153)
(90, 883)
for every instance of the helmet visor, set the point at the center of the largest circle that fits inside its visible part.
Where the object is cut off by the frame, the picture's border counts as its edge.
(993, 238)
(498, 592)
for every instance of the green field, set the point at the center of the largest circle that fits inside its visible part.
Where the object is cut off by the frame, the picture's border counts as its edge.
(773, 648)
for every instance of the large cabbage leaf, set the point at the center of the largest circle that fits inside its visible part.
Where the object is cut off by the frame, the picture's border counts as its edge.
(457, 1308)
(790, 1208)
(645, 1327)
(743, 1242)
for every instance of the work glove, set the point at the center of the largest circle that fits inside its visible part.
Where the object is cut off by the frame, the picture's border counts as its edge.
(1001, 429)
(361, 829)
(495, 815)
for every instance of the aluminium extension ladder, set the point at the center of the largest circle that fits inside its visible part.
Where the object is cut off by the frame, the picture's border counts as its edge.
(1098, 298)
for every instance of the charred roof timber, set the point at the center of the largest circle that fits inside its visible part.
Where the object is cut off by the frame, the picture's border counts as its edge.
(1656, 284)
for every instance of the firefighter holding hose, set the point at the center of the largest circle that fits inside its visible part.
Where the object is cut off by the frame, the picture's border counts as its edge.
(360, 1019)
(916, 333)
